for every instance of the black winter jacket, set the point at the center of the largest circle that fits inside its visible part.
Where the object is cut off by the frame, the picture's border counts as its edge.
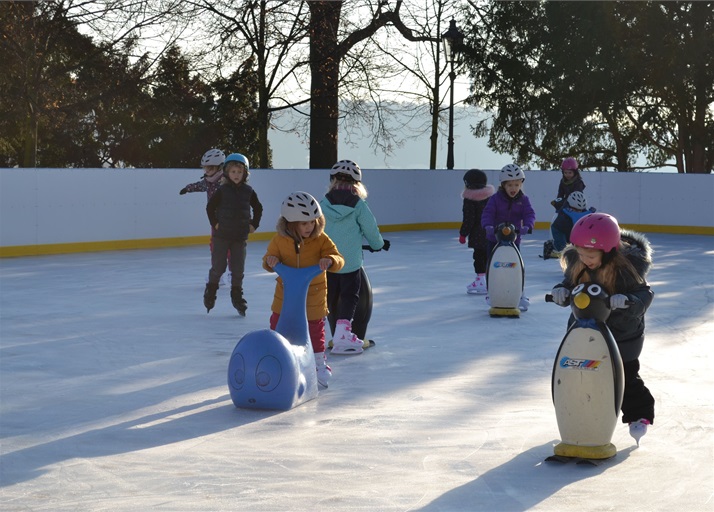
(627, 325)
(230, 207)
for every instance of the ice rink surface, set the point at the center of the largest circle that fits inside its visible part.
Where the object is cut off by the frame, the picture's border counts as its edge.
(114, 395)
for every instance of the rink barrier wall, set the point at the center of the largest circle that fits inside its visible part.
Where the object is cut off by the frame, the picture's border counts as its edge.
(54, 211)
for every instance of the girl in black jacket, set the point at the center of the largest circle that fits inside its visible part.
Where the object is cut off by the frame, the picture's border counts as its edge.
(619, 261)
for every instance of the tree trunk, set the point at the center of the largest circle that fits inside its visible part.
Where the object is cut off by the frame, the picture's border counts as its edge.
(324, 68)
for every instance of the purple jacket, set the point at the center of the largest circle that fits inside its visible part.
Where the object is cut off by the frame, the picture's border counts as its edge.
(501, 208)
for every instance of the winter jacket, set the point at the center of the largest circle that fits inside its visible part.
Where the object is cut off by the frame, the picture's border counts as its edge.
(566, 219)
(565, 188)
(230, 208)
(306, 254)
(502, 208)
(348, 219)
(627, 325)
(474, 202)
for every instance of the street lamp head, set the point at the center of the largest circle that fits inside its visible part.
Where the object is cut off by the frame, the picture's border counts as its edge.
(452, 40)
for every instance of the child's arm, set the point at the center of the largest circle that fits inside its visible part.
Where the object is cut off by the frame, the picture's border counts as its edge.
(529, 216)
(272, 256)
(257, 208)
(199, 186)
(488, 218)
(369, 228)
(212, 209)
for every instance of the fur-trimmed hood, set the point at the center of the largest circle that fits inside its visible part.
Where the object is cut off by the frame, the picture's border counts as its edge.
(478, 194)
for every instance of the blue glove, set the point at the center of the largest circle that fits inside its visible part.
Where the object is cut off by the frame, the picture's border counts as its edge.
(561, 295)
(619, 301)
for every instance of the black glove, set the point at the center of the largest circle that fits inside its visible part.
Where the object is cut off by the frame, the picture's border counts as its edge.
(386, 245)
(183, 191)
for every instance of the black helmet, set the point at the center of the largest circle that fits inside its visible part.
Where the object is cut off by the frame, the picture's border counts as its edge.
(475, 178)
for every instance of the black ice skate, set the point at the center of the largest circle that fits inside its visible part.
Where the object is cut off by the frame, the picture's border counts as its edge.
(209, 296)
(238, 301)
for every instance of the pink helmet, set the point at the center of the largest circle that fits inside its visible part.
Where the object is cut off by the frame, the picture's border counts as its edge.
(569, 164)
(596, 231)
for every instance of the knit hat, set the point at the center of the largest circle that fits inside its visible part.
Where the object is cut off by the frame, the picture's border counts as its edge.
(475, 179)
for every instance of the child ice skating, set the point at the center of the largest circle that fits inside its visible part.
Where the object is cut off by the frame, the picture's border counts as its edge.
(348, 219)
(300, 241)
(562, 225)
(475, 196)
(509, 205)
(569, 183)
(618, 260)
(229, 212)
(212, 163)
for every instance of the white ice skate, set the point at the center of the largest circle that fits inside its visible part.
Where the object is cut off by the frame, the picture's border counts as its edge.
(344, 342)
(638, 429)
(324, 372)
(524, 303)
(478, 287)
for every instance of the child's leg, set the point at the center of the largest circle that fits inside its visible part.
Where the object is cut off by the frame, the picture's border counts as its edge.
(559, 238)
(480, 260)
(218, 259)
(274, 321)
(350, 284)
(333, 298)
(317, 334)
(638, 402)
(236, 254)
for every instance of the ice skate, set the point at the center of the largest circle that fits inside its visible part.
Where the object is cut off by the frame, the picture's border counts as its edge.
(478, 287)
(324, 372)
(547, 249)
(238, 301)
(344, 341)
(209, 296)
(524, 303)
(639, 428)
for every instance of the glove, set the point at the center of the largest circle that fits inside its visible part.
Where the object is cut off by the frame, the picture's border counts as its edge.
(619, 301)
(462, 239)
(183, 191)
(529, 231)
(386, 245)
(560, 295)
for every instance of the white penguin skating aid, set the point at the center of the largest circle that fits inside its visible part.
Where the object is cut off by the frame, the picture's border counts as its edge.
(587, 381)
(505, 275)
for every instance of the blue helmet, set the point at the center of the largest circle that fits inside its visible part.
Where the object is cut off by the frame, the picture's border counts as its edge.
(237, 157)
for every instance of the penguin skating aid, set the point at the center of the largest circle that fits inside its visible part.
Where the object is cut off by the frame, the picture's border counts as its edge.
(587, 382)
(505, 275)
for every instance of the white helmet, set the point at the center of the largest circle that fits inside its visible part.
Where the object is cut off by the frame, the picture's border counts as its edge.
(347, 167)
(300, 206)
(213, 157)
(511, 172)
(577, 200)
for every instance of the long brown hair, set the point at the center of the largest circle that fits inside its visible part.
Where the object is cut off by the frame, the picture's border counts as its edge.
(613, 265)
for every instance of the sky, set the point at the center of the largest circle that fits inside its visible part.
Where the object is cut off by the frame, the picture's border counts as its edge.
(113, 393)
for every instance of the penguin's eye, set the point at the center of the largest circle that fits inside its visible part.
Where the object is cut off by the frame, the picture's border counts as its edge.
(268, 373)
(594, 290)
(237, 376)
(578, 289)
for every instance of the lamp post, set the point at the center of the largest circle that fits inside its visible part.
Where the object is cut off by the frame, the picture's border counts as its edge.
(451, 39)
